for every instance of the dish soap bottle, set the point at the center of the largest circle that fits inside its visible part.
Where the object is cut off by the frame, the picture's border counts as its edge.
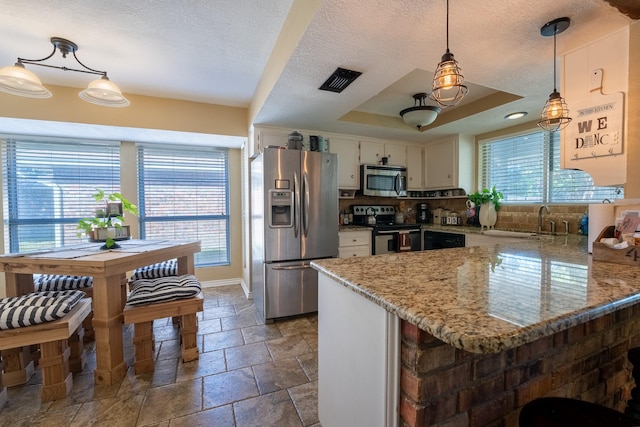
(584, 224)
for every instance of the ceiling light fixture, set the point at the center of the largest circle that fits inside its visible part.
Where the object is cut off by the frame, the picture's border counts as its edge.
(448, 87)
(420, 115)
(17, 80)
(517, 115)
(555, 114)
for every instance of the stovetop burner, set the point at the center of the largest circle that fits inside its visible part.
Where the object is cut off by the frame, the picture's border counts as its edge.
(385, 217)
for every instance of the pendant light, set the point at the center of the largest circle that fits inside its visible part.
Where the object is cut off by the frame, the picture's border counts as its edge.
(420, 114)
(17, 80)
(555, 114)
(448, 87)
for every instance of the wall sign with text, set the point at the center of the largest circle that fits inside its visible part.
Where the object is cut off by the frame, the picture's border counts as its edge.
(597, 127)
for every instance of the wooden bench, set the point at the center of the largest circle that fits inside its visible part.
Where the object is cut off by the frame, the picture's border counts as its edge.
(56, 355)
(142, 317)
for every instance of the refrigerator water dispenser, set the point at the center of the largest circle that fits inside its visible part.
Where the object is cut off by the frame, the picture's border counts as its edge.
(281, 208)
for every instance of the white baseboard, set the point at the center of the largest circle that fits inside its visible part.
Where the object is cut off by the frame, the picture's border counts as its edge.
(228, 282)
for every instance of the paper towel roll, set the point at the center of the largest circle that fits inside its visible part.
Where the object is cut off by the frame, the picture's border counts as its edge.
(601, 215)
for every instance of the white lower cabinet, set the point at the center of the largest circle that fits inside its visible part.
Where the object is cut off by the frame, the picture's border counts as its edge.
(354, 243)
(358, 359)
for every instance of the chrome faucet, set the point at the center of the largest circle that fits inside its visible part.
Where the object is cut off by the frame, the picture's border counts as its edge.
(540, 216)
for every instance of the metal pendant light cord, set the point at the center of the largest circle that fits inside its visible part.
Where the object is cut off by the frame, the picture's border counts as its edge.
(447, 26)
(555, 31)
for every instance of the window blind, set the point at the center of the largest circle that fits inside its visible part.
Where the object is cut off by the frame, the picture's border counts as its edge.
(48, 187)
(183, 193)
(526, 169)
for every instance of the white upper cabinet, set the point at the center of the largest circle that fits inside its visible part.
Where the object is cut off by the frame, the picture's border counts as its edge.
(414, 168)
(396, 153)
(449, 163)
(372, 152)
(348, 162)
(264, 137)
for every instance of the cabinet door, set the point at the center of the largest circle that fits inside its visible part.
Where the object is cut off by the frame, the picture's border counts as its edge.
(414, 168)
(371, 152)
(271, 138)
(440, 170)
(397, 154)
(348, 162)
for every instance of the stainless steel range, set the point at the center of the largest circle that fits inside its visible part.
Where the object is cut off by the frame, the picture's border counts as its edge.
(387, 236)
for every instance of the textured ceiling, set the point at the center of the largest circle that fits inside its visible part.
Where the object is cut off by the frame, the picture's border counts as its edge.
(217, 51)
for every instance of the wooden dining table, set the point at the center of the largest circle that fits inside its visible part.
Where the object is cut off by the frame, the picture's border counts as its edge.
(108, 267)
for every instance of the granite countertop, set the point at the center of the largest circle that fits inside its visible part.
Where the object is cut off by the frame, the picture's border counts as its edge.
(343, 228)
(489, 299)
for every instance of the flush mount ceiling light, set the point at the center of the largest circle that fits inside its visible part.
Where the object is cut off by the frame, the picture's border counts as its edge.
(448, 87)
(419, 115)
(555, 114)
(517, 115)
(17, 80)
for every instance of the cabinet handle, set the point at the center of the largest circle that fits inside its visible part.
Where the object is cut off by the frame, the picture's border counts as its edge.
(354, 240)
(352, 176)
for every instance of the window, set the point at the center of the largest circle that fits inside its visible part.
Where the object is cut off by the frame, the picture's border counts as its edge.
(183, 193)
(526, 169)
(48, 186)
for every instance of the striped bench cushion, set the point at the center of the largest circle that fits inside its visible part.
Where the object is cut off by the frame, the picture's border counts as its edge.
(154, 271)
(37, 307)
(149, 291)
(59, 282)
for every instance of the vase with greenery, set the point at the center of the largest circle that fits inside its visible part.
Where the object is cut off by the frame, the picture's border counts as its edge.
(108, 219)
(494, 196)
(486, 203)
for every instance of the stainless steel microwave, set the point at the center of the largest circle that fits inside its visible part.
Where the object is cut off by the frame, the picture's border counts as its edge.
(384, 181)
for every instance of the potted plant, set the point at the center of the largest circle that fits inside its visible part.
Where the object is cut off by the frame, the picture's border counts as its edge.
(493, 196)
(106, 225)
(487, 202)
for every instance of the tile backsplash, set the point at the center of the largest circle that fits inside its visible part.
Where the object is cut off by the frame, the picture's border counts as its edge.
(510, 217)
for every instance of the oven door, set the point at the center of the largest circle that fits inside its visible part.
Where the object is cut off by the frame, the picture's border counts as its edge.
(387, 241)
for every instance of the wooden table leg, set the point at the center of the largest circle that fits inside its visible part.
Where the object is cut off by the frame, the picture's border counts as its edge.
(18, 362)
(57, 380)
(107, 325)
(186, 265)
(3, 388)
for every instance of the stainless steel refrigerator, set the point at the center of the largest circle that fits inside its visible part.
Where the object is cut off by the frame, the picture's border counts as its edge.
(294, 208)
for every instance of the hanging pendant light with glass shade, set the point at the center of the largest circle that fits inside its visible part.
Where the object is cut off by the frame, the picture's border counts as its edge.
(555, 114)
(17, 80)
(448, 87)
(420, 114)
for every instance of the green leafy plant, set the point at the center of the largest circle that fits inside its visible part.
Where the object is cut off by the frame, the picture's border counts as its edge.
(487, 196)
(105, 218)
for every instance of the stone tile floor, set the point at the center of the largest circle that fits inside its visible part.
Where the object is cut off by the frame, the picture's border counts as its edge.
(249, 374)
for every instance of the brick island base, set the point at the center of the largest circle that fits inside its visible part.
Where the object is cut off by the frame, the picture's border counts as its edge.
(445, 386)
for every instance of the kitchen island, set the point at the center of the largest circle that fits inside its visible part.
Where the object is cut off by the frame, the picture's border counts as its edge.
(467, 336)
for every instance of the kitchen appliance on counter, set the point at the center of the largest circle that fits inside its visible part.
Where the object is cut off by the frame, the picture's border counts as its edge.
(423, 216)
(294, 200)
(387, 236)
(383, 181)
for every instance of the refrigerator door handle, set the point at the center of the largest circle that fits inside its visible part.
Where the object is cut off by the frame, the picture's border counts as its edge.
(296, 205)
(305, 210)
(293, 267)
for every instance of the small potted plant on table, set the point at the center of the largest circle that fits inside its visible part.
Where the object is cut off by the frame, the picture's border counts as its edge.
(107, 224)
